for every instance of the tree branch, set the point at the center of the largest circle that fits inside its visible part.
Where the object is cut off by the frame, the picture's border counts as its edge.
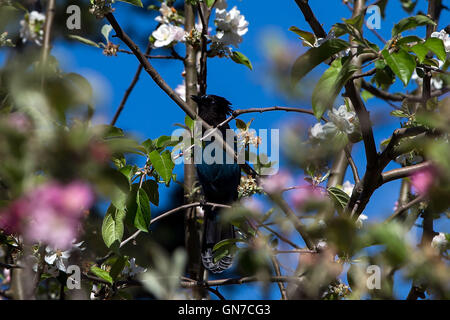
(404, 172)
(128, 91)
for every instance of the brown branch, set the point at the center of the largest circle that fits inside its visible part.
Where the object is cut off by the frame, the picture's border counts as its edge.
(170, 212)
(156, 57)
(235, 281)
(280, 236)
(129, 90)
(281, 286)
(311, 18)
(352, 164)
(298, 225)
(403, 208)
(204, 59)
(404, 172)
(365, 123)
(400, 96)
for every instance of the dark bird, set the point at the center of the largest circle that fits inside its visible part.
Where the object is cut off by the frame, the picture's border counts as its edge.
(219, 181)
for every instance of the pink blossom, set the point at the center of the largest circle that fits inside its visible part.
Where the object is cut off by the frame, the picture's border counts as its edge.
(422, 180)
(50, 213)
(252, 204)
(306, 194)
(276, 183)
(76, 198)
(11, 218)
(19, 121)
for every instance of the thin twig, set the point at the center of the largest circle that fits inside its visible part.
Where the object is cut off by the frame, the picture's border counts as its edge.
(129, 90)
(406, 207)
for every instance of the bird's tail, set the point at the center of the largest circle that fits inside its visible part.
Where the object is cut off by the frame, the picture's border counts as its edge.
(214, 232)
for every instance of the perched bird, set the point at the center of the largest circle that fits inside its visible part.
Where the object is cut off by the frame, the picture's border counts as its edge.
(219, 182)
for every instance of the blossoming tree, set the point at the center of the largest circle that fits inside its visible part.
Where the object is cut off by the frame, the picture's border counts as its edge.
(58, 168)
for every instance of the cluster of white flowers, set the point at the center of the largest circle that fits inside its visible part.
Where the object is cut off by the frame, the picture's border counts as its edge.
(167, 34)
(436, 82)
(169, 15)
(133, 269)
(341, 120)
(4, 41)
(99, 8)
(445, 37)
(440, 242)
(32, 27)
(58, 258)
(231, 26)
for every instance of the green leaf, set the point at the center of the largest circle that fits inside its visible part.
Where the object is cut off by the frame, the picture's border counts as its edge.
(189, 123)
(143, 214)
(329, 86)
(366, 95)
(241, 124)
(240, 58)
(163, 164)
(84, 40)
(409, 39)
(411, 23)
(151, 188)
(102, 274)
(137, 3)
(314, 56)
(339, 196)
(408, 5)
(420, 50)
(224, 248)
(437, 46)
(307, 37)
(117, 267)
(399, 114)
(210, 3)
(112, 227)
(226, 242)
(401, 63)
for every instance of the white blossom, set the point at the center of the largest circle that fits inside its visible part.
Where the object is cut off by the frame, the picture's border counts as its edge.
(133, 269)
(165, 12)
(32, 27)
(341, 120)
(321, 245)
(345, 120)
(168, 15)
(181, 90)
(231, 26)
(440, 242)
(347, 187)
(58, 258)
(168, 33)
(360, 220)
(323, 131)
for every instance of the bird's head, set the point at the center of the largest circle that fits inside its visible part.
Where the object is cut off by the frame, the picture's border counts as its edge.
(213, 109)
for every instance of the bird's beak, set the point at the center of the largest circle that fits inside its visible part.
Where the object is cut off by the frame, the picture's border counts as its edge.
(196, 98)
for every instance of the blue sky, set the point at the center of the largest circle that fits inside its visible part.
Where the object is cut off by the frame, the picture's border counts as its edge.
(150, 113)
